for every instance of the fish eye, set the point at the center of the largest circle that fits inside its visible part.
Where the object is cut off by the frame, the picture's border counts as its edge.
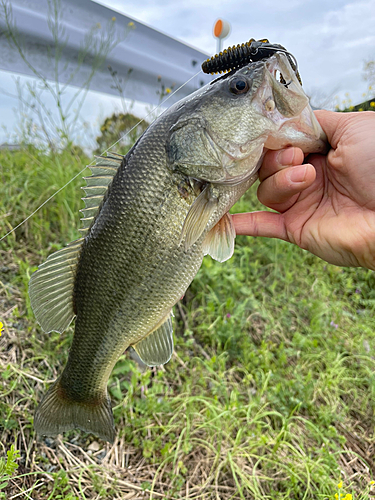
(239, 85)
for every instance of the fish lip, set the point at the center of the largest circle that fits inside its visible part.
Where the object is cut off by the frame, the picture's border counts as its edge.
(279, 61)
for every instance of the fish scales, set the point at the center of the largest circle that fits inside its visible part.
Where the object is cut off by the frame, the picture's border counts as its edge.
(166, 206)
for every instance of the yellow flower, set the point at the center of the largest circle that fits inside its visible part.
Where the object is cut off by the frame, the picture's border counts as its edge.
(348, 497)
(351, 108)
(98, 25)
(370, 87)
(113, 19)
(360, 109)
(131, 24)
(168, 90)
(372, 104)
(336, 496)
(372, 482)
(339, 485)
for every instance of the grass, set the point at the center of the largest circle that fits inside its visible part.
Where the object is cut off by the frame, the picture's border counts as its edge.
(270, 393)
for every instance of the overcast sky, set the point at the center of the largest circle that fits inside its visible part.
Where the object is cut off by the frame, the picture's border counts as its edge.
(331, 39)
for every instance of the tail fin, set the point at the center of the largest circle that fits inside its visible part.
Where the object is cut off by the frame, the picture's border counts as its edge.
(57, 413)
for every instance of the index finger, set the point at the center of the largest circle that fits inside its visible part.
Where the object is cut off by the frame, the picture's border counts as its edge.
(274, 161)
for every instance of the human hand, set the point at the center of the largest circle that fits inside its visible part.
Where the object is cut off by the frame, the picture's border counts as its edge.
(327, 205)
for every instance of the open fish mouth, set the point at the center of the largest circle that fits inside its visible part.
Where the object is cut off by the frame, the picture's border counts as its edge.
(292, 114)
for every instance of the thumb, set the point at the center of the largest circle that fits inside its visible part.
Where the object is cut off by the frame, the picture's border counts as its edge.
(330, 121)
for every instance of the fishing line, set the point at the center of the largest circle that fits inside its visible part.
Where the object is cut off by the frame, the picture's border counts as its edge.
(105, 151)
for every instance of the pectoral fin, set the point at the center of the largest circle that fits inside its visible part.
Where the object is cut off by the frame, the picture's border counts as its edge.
(197, 219)
(219, 242)
(157, 348)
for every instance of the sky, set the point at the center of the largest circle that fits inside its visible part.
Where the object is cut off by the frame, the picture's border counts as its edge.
(331, 39)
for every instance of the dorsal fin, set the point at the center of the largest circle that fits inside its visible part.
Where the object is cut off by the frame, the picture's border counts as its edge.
(97, 184)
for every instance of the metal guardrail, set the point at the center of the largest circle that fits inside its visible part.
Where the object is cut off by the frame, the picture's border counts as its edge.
(154, 58)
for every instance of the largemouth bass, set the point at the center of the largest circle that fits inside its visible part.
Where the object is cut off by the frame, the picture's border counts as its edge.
(150, 217)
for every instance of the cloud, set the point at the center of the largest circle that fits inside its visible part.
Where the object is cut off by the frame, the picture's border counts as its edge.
(331, 40)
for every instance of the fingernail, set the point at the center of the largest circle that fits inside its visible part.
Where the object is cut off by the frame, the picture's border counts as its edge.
(285, 157)
(297, 174)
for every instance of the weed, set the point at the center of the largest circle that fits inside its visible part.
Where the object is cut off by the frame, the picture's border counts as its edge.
(7, 468)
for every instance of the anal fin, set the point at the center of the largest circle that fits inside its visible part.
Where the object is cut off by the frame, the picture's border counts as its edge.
(157, 348)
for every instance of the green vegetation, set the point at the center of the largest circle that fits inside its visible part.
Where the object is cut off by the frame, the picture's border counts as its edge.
(270, 393)
(121, 129)
(7, 468)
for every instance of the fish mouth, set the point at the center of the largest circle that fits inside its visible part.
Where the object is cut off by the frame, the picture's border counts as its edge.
(292, 115)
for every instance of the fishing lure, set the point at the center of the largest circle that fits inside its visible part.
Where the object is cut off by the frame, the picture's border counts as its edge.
(238, 56)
